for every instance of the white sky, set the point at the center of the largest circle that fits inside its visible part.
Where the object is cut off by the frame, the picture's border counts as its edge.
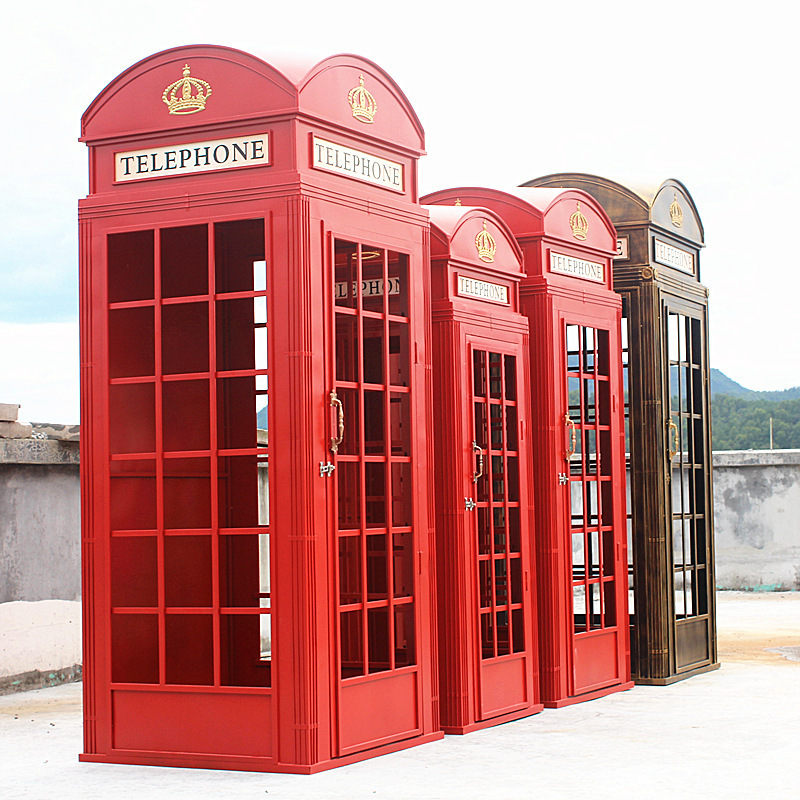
(704, 92)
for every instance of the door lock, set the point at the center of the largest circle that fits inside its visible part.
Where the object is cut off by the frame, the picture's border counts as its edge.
(563, 480)
(469, 503)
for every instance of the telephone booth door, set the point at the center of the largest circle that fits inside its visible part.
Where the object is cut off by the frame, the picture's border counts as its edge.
(488, 655)
(595, 519)
(372, 451)
(496, 521)
(687, 478)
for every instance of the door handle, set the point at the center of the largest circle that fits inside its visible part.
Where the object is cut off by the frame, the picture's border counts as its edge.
(573, 437)
(479, 472)
(674, 439)
(337, 440)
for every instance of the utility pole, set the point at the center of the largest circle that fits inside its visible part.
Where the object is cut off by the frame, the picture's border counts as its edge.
(770, 433)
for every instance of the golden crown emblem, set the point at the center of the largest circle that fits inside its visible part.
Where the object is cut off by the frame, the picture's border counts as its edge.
(485, 245)
(579, 224)
(362, 102)
(676, 212)
(187, 95)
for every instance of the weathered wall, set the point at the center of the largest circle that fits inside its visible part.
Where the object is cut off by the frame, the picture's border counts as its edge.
(40, 610)
(757, 519)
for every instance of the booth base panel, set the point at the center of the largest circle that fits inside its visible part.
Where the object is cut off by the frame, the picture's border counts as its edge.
(458, 730)
(678, 676)
(248, 764)
(582, 698)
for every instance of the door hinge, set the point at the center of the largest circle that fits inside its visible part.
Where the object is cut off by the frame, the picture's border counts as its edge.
(326, 470)
(563, 480)
(469, 503)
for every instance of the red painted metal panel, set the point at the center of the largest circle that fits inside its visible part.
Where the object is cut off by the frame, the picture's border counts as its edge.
(504, 687)
(596, 661)
(182, 722)
(379, 710)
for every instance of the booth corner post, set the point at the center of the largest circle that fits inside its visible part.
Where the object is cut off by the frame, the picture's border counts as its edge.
(489, 670)
(668, 422)
(255, 350)
(567, 242)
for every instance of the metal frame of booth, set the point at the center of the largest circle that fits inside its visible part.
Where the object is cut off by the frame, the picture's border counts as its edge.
(254, 317)
(568, 242)
(665, 311)
(488, 653)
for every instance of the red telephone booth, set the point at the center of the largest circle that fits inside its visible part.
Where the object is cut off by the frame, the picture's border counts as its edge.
(254, 347)
(568, 243)
(488, 660)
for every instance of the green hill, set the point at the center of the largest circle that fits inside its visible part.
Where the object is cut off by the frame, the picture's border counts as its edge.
(722, 384)
(740, 417)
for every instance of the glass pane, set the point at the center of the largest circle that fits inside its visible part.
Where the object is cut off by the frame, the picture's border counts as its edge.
(398, 284)
(351, 643)
(404, 636)
(346, 348)
(349, 570)
(131, 342)
(184, 337)
(378, 638)
(375, 494)
(377, 567)
(239, 256)
(479, 373)
(348, 481)
(399, 354)
(403, 564)
(134, 572)
(189, 649)
(374, 351)
(184, 261)
(402, 494)
(346, 274)
(132, 418)
(511, 377)
(374, 427)
(187, 571)
(131, 266)
(400, 423)
(372, 270)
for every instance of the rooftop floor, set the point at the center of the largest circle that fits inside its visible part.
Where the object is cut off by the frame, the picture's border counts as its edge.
(729, 733)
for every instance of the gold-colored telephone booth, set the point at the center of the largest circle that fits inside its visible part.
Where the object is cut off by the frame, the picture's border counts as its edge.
(668, 424)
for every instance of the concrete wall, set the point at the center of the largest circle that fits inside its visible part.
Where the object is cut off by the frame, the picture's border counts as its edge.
(40, 609)
(756, 514)
(757, 519)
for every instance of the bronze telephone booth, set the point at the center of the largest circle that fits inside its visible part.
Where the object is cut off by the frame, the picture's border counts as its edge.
(668, 425)
(577, 419)
(255, 362)
(488, 658)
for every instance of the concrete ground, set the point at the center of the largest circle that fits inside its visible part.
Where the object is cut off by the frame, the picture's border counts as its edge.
(732, 733)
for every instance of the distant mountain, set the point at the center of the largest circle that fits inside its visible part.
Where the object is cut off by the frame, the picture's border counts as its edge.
(722, 384)
(741, 419)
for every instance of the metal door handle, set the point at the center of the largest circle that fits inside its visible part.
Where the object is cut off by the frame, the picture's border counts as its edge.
(479, 472)
(336, 441)
(573, 437)
(674, 437)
